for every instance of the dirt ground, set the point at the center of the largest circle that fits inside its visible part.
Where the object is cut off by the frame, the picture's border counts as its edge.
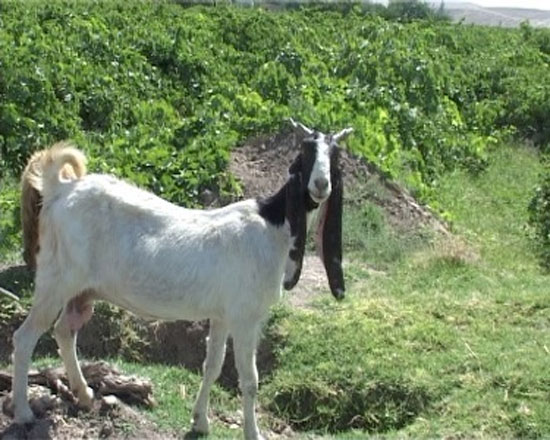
(61, 420)
(261, 166)
(59, 415)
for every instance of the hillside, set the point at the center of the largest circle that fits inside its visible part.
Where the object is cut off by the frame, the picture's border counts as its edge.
(471, 13)
(163, 101)
(441, 336)
(444, 333)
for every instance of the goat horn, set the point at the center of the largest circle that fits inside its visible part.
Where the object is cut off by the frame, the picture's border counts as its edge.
(342, 134)
(301, 126)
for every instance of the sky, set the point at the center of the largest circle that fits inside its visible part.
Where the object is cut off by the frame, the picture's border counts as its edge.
(527, 4)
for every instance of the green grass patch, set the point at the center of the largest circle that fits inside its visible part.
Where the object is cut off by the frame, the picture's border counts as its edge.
(367, 234)
(174, 391)
(439, 337)
(490, 210)
(10, 224)
(452, 340)
(338, 371)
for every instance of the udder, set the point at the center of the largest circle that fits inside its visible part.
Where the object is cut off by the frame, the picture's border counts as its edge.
(79, 310)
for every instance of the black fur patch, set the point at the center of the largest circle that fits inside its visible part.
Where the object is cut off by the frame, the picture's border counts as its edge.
(296, 215)
(308, 158)
(292, 202)
(332, 230)
(273, 209)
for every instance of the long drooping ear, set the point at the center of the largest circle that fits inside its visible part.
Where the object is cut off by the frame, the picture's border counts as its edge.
(296, 165)
(296, 216)
(329, 231)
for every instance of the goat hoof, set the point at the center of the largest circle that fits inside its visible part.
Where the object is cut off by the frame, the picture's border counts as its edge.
(253, 434)
(200, 425)
(24, 416)
(86, 398)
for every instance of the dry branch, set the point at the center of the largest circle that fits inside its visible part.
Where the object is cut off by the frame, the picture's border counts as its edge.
(104, 380)
(9, 294)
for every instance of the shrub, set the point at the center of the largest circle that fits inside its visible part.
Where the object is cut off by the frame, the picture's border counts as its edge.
(539, 217)
(159, 93)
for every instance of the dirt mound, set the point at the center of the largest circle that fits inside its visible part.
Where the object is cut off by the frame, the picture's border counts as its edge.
(104, 421)
(261, 165)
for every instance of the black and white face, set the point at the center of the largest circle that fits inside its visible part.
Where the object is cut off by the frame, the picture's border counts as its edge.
(315, 185)
(316, 151)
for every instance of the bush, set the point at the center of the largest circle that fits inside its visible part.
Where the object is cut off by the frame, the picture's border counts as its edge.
(539, 217)
(159, 93)
(425, 96)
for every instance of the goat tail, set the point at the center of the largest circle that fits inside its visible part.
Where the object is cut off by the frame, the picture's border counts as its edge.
(44, 171)
(60, 164)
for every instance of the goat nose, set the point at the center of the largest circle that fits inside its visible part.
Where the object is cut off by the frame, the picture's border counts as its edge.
(321, 183)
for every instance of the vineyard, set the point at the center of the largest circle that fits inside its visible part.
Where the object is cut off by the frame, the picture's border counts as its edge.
(161, 94)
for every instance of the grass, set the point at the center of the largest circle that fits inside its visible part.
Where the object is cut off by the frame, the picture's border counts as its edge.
(439, 337)
(175, 389)
(9, 220)
(451, 340)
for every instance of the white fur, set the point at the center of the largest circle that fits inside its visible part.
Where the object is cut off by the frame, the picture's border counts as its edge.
(159, 260)
(320, 170)
(133, 249)
(290, 266)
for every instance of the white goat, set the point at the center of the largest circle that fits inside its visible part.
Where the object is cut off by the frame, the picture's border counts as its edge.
(102, 238)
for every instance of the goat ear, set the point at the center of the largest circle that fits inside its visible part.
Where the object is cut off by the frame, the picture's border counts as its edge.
(329, 234)
(296, 166)
(296, 216)
(302, 129)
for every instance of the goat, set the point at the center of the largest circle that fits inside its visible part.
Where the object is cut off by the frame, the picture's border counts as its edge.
(102, 238)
